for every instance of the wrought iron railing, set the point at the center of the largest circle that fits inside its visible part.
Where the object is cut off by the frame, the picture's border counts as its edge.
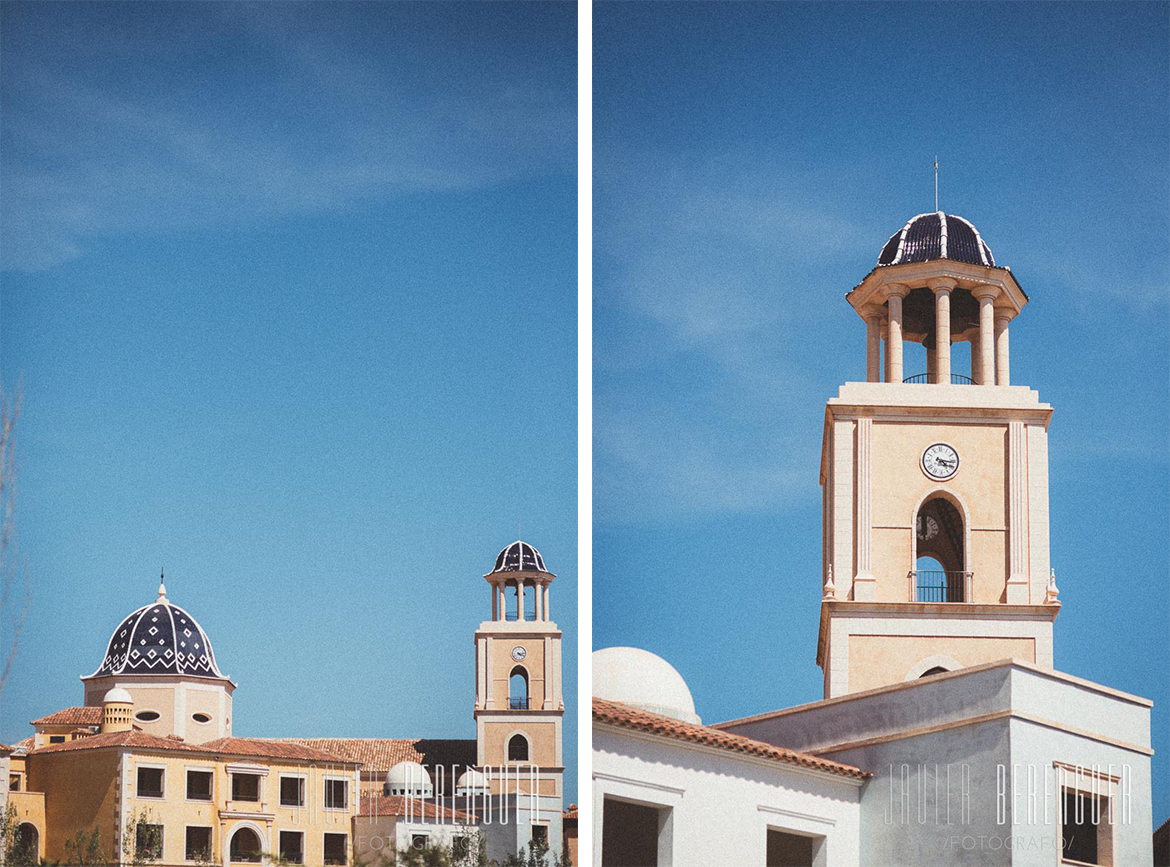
(528, 615)
(518, 704)
(956, 379)
(930, 586)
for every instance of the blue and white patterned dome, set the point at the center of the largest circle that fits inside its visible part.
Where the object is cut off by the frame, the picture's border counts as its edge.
(519, 557)
(160, 638)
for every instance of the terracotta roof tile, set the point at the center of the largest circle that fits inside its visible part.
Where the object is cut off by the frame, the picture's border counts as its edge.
(71, 716)
(120, 739)
(28, 743)
(626, 716)
(246, 747)
(272, 749)
(570, 813)
(378, 755)
(5, 749)
(373, 804)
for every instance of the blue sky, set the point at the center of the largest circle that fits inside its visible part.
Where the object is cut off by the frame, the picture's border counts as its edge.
(750, 160)
(292, 291)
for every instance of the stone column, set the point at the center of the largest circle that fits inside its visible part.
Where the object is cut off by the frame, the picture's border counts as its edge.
(1017, 583)
(976, 355)
(942, 289)
(546, 617)
(495, 600)
(986, 296)
(1002, 371)
(894, 344)
(864, 583)
(538, 599)
(873, 344)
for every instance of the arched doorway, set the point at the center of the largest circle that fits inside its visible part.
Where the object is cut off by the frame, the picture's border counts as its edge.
(940, 552)
(27, 845)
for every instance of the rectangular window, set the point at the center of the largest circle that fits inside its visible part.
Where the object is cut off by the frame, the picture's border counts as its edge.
(1081, 825)
(198, 844)
(460, 845)
(199, 785)
(56, 739)
(336, 794)
(791, 849)
(292, 846)
(148, 841)
(632, 834)
(245, 787)
(150, 782)
(336, 849)
(292, 791)
(14, 782)
(540, 835)
(418, 842)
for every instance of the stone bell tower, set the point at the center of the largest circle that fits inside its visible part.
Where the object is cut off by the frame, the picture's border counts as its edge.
(935, 533)
(519, 706)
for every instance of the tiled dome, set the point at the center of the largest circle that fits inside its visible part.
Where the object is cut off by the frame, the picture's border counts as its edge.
(519, 557)
(936, 236)
(160, 638)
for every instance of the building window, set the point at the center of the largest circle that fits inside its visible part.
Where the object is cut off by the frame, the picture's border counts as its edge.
(791, 850)
(245, 846)
(1085, 828)
(198, 844)
(938, 669)
(517, 748)
(292, 846)
(460, 845)
(56, 739)
(292, 791)
(147, 715)
(150, 782)
(199, 785)
(631, 833)
(540, 835)
(201, 717)
(336, 849)
(518, 689)
(418, 842)
(245, 787)
(148, 841)
(336, 794)
(14, 782)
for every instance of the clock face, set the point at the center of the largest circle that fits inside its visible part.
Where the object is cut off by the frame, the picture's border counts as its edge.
(940, 461)
(518, 653)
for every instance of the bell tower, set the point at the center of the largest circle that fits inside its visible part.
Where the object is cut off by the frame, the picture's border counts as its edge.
(518, 701)
(935, 483)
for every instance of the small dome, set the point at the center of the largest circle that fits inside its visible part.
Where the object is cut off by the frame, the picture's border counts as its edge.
(471, 781)
(642, 679)
(119, 695)
(936, 236)
(519, 557)
(408, 778)
(160, 638)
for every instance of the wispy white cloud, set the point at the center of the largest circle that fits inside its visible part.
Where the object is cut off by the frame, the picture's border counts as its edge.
(84, 157)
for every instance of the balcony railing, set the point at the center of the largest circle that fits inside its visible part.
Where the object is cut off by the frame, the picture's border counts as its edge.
(518, 703)
(929, 586)
(528, 615)
(956, 379)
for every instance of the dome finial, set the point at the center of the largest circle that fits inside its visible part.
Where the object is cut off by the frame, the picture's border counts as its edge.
(162, 587)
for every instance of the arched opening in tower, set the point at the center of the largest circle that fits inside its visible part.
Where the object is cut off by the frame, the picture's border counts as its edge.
(529, 600)
(511, 600)
(518, 689)
(941, 559)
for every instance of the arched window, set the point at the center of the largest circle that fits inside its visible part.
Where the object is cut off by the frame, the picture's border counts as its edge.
(940, 555)
(529, 600)
(518, 748)
(938, 669)
(245, 846)
(511, 601)
(518, 689)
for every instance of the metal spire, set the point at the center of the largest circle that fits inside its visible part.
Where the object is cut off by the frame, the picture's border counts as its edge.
(936, 183)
